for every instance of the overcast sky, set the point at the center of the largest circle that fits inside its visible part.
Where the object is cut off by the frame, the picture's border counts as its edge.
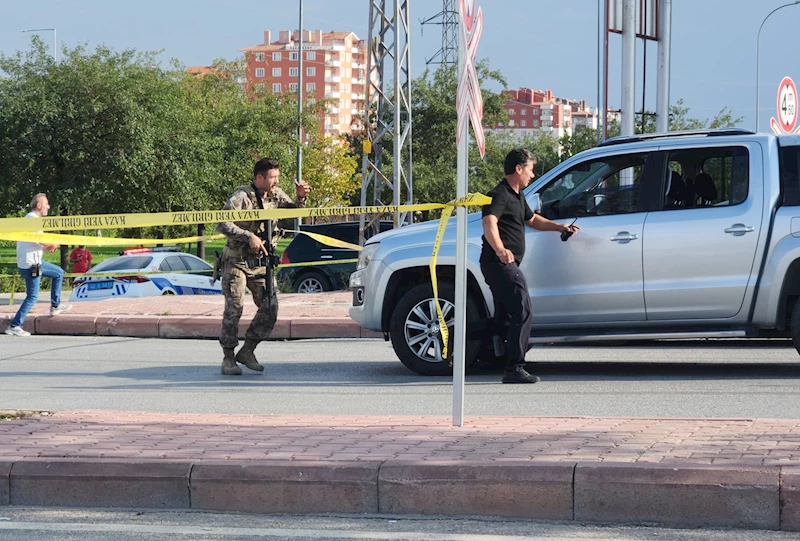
(538, 44)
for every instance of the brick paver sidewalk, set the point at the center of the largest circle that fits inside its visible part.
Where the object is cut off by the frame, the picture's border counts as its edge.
(330, 304)
(103, 434)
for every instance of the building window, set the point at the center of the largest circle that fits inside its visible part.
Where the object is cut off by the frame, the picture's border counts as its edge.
(276, 57)
(260, 86)
(311, 55)
(292, 72)
(276, 87)
(536, 112)
(510, 122)
(523, 111)
(500, 124)
(523, 123)
(293, 56)
(293, 87)
(260, 57)
(311, 87)
(259, 72)
(511, 112)
(311, 72)
(276, 72)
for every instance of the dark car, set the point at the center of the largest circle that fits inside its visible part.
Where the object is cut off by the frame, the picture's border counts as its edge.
(304, 249)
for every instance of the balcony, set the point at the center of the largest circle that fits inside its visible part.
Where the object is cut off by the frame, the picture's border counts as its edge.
(333, 110)
(332, 95)
(334, 79)
(359, 66)
(358, 80)
(333, 63)
(356, 112)
(360, 97)
(331, 127)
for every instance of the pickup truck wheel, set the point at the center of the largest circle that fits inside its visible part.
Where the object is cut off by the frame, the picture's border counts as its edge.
(414, 330)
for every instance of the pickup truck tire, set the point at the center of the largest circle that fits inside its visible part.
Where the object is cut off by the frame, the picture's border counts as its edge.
(414, 330)
(795, 326)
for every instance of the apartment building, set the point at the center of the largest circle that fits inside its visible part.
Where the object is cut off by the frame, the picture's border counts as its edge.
(538, 111)
(334, 66)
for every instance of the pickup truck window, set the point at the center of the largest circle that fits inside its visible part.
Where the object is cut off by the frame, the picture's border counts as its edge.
(706, 177)
(606, 186)
(790, 176)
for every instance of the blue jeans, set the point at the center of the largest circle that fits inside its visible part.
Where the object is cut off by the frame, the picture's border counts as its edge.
(55, 273)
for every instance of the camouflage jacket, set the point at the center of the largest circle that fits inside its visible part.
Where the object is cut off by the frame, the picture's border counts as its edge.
(239, 233)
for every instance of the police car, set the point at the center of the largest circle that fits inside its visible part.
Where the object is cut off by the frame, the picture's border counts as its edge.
(192, 276)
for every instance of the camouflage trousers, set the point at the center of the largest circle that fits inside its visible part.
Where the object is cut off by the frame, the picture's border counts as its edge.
(235, 279)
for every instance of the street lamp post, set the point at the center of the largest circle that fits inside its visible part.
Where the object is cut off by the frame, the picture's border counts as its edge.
(758, 52)
(55, 40)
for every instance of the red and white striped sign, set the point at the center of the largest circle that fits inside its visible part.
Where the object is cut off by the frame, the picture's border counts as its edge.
(469, 101)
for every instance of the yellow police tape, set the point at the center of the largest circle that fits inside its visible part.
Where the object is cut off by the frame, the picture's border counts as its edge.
(119, 221)
(86, 240)
(328, 241)
(470, 200)
(33, 226)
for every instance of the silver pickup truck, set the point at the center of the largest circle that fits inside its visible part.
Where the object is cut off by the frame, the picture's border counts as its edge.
(683, 235)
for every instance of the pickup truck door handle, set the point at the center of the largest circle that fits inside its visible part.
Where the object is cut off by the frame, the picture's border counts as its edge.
(740, 229)
(326, 257)
(624, 236)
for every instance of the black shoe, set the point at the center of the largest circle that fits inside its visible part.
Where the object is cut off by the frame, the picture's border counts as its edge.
(519, 375)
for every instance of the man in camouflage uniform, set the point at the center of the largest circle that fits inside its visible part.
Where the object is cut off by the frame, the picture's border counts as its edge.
(243, 266)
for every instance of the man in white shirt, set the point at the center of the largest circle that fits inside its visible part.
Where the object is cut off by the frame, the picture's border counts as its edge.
(32, 267)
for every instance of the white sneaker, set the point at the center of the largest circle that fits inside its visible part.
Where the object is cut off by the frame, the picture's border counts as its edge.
(17, 331)
(55, 310)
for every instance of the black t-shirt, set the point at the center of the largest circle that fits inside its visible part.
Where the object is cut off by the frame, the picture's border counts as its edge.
(512, 212)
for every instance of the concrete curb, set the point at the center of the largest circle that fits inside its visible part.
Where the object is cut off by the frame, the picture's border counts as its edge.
(146, 326)
(683, 496)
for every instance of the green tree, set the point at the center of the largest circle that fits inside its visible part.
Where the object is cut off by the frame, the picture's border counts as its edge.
(435, 117)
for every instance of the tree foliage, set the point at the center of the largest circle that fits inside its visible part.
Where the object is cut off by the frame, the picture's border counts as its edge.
(103, 131)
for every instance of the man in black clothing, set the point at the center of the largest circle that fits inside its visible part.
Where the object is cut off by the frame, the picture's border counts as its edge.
(504, 221)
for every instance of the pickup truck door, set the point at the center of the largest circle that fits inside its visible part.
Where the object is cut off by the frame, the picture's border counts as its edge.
(699, 249)
(596, 275)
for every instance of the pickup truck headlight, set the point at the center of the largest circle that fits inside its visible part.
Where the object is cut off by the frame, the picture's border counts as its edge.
(366, 255)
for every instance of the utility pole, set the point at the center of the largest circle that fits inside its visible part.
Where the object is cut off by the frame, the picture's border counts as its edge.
(448, 19)
(388, 111)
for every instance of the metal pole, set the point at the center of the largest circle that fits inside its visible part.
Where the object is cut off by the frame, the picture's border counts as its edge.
(601, 68)
(664, 14)
(300, 99)
(605, 75)
(462, 186)
(758, 52)
(396, 131)
(629, 18)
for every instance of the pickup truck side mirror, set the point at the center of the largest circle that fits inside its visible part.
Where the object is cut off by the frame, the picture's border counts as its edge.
(536, 203)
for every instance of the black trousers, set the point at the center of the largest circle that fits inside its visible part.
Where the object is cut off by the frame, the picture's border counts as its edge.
(512, 303)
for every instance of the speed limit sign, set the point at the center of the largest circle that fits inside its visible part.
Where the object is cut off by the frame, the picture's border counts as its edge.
(787, 105)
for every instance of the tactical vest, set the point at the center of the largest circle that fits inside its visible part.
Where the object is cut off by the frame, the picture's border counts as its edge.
(237, 249)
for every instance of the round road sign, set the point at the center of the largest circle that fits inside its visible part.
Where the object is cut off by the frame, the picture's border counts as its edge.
(787, 105)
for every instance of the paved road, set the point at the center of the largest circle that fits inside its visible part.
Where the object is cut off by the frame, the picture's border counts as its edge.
(93, 525)
(687, 379)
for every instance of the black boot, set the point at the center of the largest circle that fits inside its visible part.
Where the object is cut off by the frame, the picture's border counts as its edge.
(518, 374)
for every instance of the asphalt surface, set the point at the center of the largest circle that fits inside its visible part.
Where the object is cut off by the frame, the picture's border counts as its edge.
(743, 379)
(140, 525)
